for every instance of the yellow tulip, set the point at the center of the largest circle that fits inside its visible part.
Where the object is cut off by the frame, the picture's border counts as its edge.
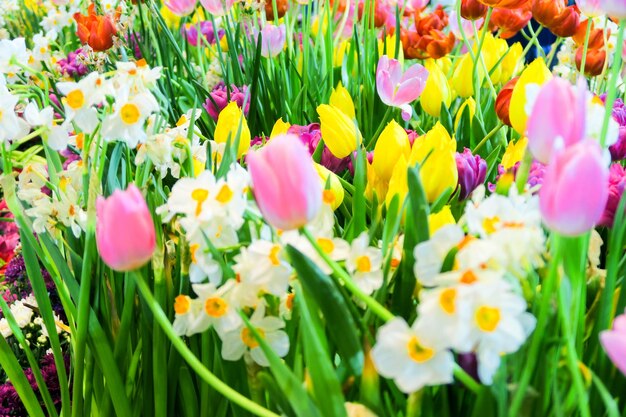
(375, 185)
(388, 47)
(514, 153)
(463, 74)
(392, 143)
(435, 152)
(228, 124)
(335, 193)
(280, 128)
(171, 20)
(398, 184)
(535, 73)
(340, 98)
(339, 131)
(470, 103)
(491, 52)
(437, 90)
(511, 62)
(437, 220)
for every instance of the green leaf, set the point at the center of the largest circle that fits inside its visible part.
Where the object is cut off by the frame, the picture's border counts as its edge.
(445, 118)
(343, 329)
(299, 399)
(325, 382)
(358, 203)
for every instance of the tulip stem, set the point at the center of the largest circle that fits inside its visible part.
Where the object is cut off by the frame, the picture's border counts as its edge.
(204, 373)
(612, 91)
(583, 62)
(489, 136)
(466, 379)
(382, 125)
(345, 278)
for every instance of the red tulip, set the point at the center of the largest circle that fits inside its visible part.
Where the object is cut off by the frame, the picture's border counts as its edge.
(94, 30)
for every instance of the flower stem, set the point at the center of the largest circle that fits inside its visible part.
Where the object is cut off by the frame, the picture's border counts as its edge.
(612, 90)
(190, 358)
(489, 136)
(583, 62)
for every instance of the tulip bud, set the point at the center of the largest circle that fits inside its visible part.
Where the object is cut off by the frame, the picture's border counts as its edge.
(472, 170)
(229, 123)
(535, 73)
(594, 64)
(125, 232)
(272, 39)
(470, 104)
(339, 131)
(566, 23)
(285, 182)
(399, 183)
(462, 78)
(503, 101)
(340, 98)
(473, 9)
(575, 189)
(392, 143)
(511, 62)
(437, 90)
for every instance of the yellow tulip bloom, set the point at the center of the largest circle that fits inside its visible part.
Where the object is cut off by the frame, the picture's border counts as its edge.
(280, 128)
(437, 220)
(437, 90)
(514, 153)
(228, 124)
(340, 98)
(535, 73)
(392, 143)
(339, 131)
(335, 193)
(470, 103)
(398, 184)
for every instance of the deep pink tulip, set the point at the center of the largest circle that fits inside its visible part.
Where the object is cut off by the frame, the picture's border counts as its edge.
(614, 342)
(614, 8)
(286, 185)
(272, 39)
(124, 230)
(397, 89)
(181, 7)
(575, 189)
(557, 119)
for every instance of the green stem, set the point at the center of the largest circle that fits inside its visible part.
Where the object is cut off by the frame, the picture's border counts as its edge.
(585, 48)
(381, 126)
(522, 172)
(612, 92)
(210, 378)
(489, 136)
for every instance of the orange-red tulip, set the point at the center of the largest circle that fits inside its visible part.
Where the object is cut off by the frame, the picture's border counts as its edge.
(510, 21)
(473, 9)
(95, 30)
(503, 101)
(594, 64)
(506, 4)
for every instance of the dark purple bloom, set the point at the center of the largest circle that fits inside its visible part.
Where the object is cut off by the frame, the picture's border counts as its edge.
(220, 97)
(472, 172)
(133, 41)
(618, 149)
(73, 65)
(617, 183)
(190, 32)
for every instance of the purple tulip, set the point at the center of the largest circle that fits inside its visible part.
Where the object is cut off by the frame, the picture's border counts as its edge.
(472, 172)
(73, 65)
(220, 99)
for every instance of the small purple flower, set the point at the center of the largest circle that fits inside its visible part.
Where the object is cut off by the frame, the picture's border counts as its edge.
(190, 32)
(472, 172)
(220, 97)
(617, 183)
(73, 65)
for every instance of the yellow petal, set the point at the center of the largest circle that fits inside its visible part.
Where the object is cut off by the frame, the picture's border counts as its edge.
(535, 73)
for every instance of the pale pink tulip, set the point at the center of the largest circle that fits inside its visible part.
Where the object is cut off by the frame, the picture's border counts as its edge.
(286, 185)
(272, 39)
(124, 230)
(557, 119)
(614, 342)
(398, 89)
(181, 7)
(614, 8)
(590, 8)
(217, 7)
(575, 189)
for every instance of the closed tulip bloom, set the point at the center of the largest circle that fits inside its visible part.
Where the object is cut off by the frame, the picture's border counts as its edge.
(125, 232)
(535, 73)
(617, 185)
(473, 9)
(398, 89)
(392, 143)
(340, 98)
(472, 170)
(470, 105)
(594, 63)
(217, 7)
(503, 101)
(339, 131)
(614, 342)
(557, 118)
(437, 90)
(462, 78)
(230, 122)
(591, 8)
(181, 7)
(435, 152)
(398, 184)
(575, 189)
(285, 183)
(272, 39)
(95, 30)
(614, 8)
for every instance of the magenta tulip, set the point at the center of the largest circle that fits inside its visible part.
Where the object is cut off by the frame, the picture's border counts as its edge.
(124, 230)
(614, 342)
(286, 185)
(397, 89)
(575, 189)
(557, 119)
(181, 7)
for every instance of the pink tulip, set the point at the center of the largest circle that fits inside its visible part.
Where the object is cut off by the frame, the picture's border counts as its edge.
(614, 342)
(181, 7)
(286, 185)
(575, 189)
(217, 7)
(557, 119)
(590, 8)
(614, 8)
(272, 39)
(124, 230)
(397, 89)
